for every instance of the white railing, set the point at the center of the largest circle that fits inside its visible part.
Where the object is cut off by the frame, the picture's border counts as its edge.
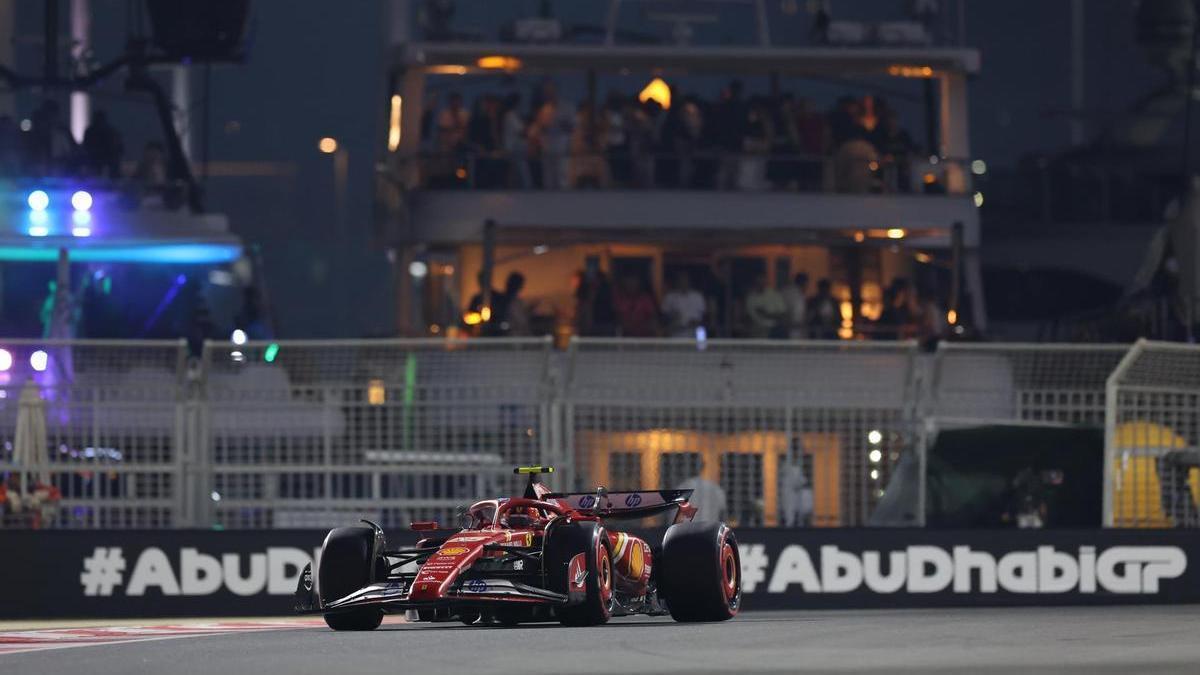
(315, 433)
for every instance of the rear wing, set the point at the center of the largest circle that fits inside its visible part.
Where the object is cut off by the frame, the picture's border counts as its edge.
(631, 505)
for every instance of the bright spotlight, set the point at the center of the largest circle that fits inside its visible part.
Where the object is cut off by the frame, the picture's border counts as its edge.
(418, 269)
(874, 437)
(81, 200)
(238, 337)
(6, 360)
(327, 145)
(38, 360)
(38, 200)
(875, 456)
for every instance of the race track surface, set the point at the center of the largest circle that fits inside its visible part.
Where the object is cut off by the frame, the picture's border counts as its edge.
(1071, 640)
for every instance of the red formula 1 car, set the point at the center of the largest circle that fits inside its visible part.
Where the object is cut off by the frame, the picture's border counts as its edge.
(544, 556)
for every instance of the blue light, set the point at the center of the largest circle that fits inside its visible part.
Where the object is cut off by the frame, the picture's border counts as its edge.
(38, 200)
(38, 230)
(37, 224)
(82, 218)
(194, 254)
(81, 200)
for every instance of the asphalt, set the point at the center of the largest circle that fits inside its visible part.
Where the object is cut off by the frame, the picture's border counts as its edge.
(1026, 640)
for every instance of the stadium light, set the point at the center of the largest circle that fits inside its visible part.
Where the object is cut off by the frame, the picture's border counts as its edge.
(875, 437)
(37, 224)
(38, 200)
(327, 145)
(418, 269)
(271, 352)
(81, 200)
(38, 360)
(238, 337)
(6, 360)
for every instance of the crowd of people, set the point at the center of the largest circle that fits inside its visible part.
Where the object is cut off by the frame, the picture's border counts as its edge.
(43, 146)
(791, 310)
(737, 142)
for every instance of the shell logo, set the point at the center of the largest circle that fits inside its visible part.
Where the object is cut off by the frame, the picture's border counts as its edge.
(453, 550)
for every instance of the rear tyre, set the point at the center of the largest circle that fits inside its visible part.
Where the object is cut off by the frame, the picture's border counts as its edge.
(700, 572)
(348, 562)
(562, 545)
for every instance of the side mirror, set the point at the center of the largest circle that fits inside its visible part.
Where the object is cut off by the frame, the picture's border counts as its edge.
(601, 497)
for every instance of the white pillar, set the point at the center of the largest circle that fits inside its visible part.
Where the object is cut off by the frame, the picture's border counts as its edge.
(81, 24)
(181, 101)
(956, 143)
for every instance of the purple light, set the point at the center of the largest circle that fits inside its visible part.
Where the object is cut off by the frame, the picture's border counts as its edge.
(6, 360)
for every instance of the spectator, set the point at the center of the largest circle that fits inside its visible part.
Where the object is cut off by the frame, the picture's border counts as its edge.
(637, 312)
(795, 493)
(755, 145)
(930, 317)
(681, 139)
(640, 124)
(428, 117)
(616, 140)
(766, 310)
(452, 124)
(783, 168)
(553, 128)
(515, 131)
(493, 304)
(102, 147)
(795, 297)
(594, 312)
(707, 497)
(845, 122)
(684, 308)
(587, 167)
(895, 147)
(515, 321)
(813, 138)
(729, 132)
(824, 316)
(483, 137)
(896, 321)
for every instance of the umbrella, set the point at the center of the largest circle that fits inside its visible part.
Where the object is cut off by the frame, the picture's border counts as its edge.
(29, 448)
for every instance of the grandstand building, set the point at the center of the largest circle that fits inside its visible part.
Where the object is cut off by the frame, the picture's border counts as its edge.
(451, 211)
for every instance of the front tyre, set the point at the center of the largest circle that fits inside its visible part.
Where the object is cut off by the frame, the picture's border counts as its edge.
(700, 572)
(348, 562)
(589, 542)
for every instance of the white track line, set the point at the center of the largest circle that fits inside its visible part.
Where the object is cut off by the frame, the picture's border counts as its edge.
(15, 642)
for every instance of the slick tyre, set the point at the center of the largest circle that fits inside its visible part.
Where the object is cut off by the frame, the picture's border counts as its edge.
(590, 540)
(348, 562)
(700, 572)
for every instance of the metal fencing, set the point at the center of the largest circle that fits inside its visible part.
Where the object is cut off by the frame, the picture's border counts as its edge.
(318, 433)
(1152, 437)
(101, 422)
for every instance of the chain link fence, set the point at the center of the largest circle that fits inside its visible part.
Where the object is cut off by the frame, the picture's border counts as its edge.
(317, 433)
(99, 421)
(1152, 437)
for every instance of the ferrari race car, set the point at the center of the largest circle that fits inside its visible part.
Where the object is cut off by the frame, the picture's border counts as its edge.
(544, 556)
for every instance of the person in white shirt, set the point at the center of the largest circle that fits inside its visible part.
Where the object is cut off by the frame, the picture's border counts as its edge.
(765, 309)
(684, 307)
(707, 497)
(795, 493)
(796, 298)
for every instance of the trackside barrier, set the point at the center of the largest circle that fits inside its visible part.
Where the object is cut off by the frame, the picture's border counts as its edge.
(176, 573)
(315, 433)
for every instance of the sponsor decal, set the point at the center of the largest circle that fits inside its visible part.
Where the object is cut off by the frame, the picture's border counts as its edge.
(587, 502)
(428, 577)
(923, 569)
(306, 579)
(453, 550)
(456, 540)
(633, 500)
(577, 573)
(476, 586)
(518, 565)
(277, 571)
(518, 539)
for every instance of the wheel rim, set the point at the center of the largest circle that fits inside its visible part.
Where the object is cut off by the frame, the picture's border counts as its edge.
(729, 573)
(605, 573)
